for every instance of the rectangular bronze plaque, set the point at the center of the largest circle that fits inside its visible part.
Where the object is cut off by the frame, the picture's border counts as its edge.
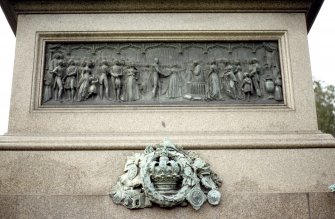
(161, 73)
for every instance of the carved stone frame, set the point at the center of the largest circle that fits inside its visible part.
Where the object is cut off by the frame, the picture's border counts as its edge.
(42, 38)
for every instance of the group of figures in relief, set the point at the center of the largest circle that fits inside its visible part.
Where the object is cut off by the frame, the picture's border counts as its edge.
(121, 81)
(75, 81)
(168, 176)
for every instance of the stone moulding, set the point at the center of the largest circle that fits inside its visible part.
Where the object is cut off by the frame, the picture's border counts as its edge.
(135, 141)
(45, 38)
(168, 176)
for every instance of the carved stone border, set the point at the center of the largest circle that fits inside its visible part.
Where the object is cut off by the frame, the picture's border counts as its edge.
(42, 38)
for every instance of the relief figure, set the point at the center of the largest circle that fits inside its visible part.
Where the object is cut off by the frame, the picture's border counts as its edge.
(239, 77)
(59, 73)
(70, 79)
(255, 71)
(246, 86)
(174, 87)
(278, 88)
(117, 73)
(48, 78)
(103, 71)
(156, 73)
(231, 81)
(131, 87)
(87, 84)
(214, 87)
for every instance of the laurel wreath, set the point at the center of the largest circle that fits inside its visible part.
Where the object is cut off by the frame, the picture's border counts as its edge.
(149, 188)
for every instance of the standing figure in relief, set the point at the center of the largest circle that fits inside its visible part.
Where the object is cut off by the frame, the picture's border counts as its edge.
(231, 82)
(59, 73)
(214, 87)
(87, 84)
(189, 72)
(156, 73)
(174, 89)
(255, 70)
(70, 79)
(278, 88)
(48, 78)
(246, 86)
(117, 73)
(188, 78)
(103, 80)
(239, 76)
(275, 71)
(131, 91)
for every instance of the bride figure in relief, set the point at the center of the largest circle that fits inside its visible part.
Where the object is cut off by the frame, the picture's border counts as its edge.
(131, 90)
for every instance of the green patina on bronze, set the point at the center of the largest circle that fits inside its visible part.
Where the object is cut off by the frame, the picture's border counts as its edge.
(162, 73)
(168, 176)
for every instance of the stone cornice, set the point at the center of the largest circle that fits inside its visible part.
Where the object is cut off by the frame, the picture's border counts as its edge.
(13, 8)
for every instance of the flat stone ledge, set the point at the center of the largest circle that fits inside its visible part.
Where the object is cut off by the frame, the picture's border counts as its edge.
(133, 141)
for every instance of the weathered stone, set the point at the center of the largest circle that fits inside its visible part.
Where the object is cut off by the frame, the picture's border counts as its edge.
(8, 206)
(266, 205)
(322, 205)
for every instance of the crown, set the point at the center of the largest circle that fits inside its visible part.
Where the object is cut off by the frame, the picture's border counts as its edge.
(165, 173)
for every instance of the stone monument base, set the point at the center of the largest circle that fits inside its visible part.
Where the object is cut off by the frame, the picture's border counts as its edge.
(257, 183)
(60, 160)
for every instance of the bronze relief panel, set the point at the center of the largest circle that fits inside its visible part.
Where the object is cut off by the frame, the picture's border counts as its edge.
(161, 73)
